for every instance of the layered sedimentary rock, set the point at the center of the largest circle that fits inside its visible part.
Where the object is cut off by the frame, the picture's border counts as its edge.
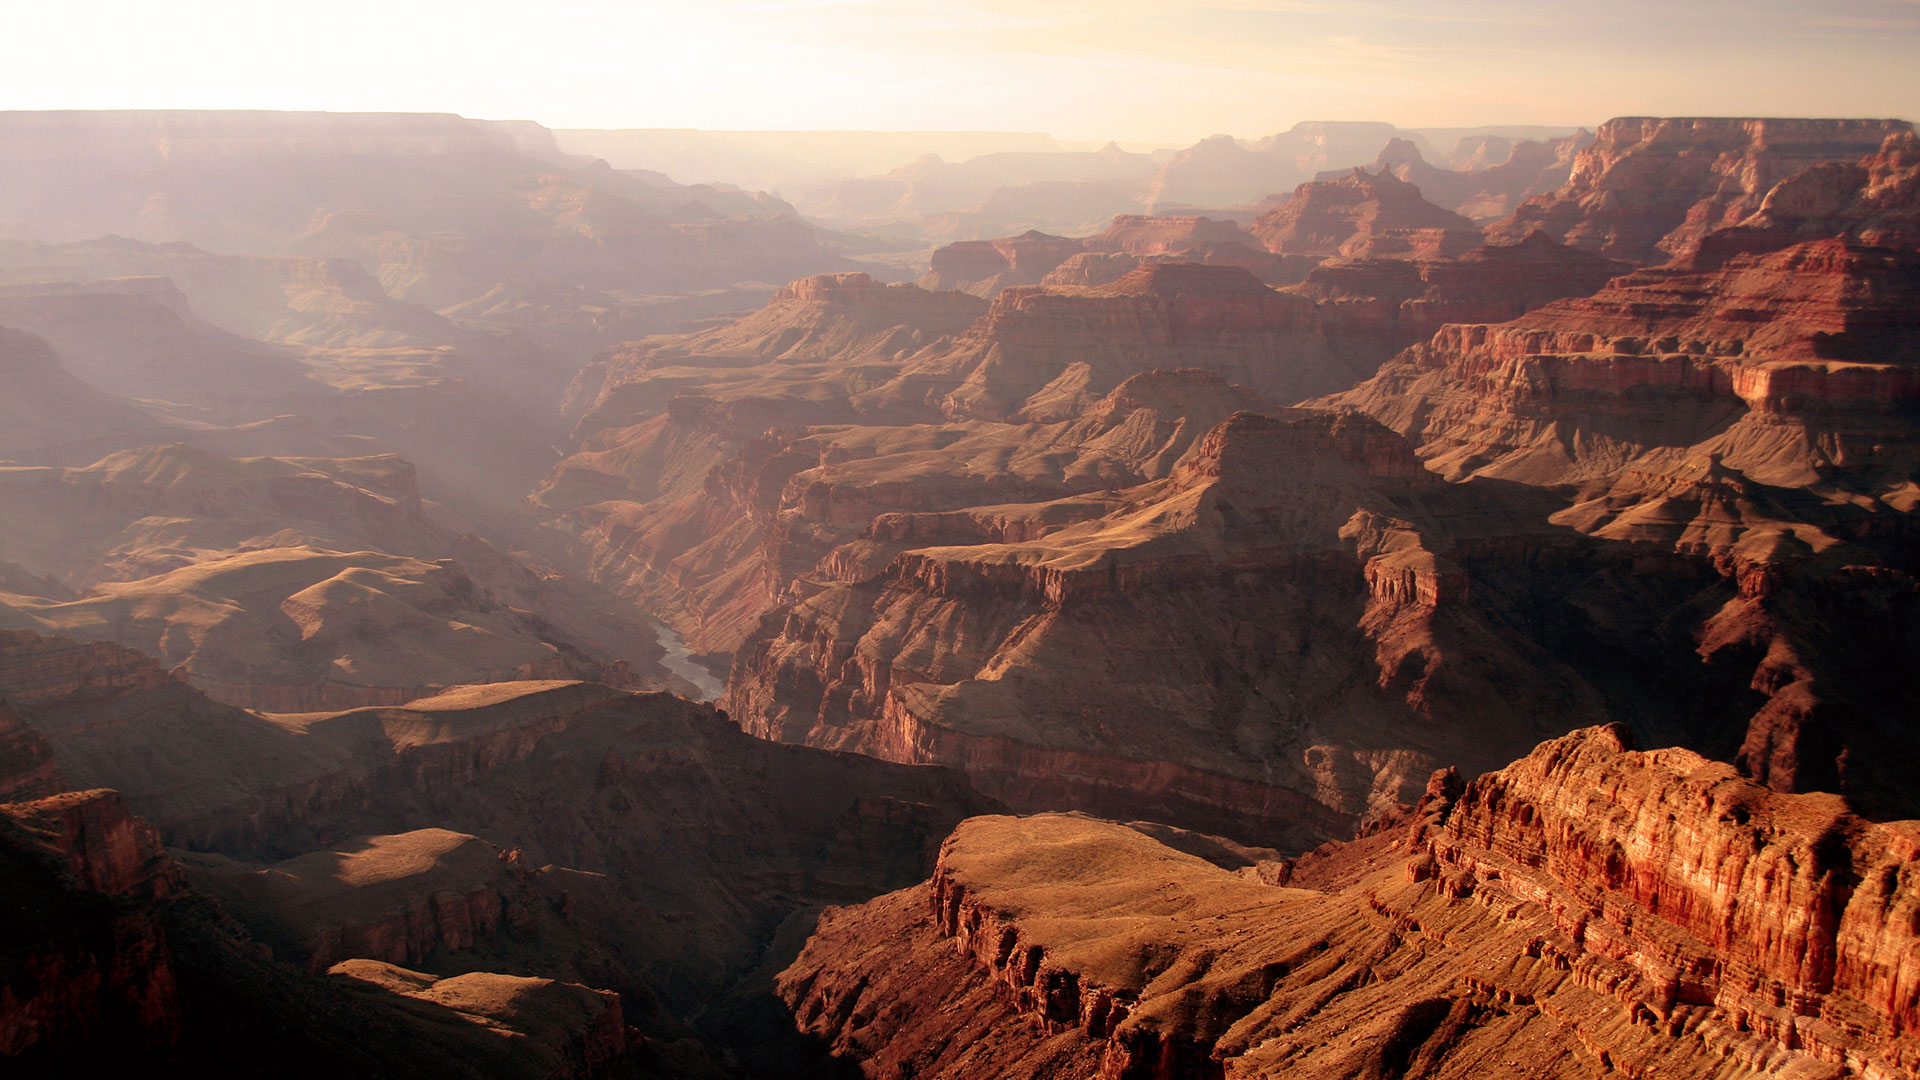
(847, 319)
(984, 267)
(113, 960)
(1358, 214)
(1875, 201)
(1648, 189)
(1046, 352)
(1749, 408)
(1051, 649)
(795, 497)
(649, 502)
(1374, 307)
(1587, 910)
(1789, 364)
(495, 762)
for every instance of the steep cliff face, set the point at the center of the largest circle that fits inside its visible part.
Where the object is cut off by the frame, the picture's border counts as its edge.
(1750, 409)
(1288, 571)
(1786, 914)
(1374, 307)
(1587, 911)
(675, 491)
(1792, 365)
(1875, 201)
(1647, 189)
(499, 762)
(87, 957)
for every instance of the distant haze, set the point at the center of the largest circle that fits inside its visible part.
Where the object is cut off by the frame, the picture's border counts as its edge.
(1140, 70)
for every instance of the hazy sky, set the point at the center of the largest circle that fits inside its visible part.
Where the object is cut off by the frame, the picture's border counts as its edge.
(1146, 70)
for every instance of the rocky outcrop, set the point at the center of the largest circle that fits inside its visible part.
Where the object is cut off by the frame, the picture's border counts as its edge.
(1360, 213)
(396, 899)
(1042, 353)
(1804, 345)
(1785, 914)
(1374, 307)
(1875, 201)
(945, 652)
(86, 956)
(984, 267)
(1647, 189)
(1587, 909)
(105, 848)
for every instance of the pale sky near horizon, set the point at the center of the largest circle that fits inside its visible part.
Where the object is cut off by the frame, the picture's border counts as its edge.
(1135, 70)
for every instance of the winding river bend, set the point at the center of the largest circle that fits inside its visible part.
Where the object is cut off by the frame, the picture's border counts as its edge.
(681, 662)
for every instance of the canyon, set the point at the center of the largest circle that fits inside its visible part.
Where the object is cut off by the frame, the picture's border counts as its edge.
(1362, 602)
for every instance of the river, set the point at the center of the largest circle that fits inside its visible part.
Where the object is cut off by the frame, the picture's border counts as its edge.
(680, 662)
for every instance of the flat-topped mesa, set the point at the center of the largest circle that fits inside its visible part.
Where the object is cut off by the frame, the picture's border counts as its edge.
(1253, 454)
(984, 267)
(856, 292)
(545, 1028)
(1785, 913)
(1648, 189)
(1044, 352)
(1342, 217)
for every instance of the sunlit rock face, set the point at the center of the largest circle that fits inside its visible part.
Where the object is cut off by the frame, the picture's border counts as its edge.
(1587, 909)
(1648, 189)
